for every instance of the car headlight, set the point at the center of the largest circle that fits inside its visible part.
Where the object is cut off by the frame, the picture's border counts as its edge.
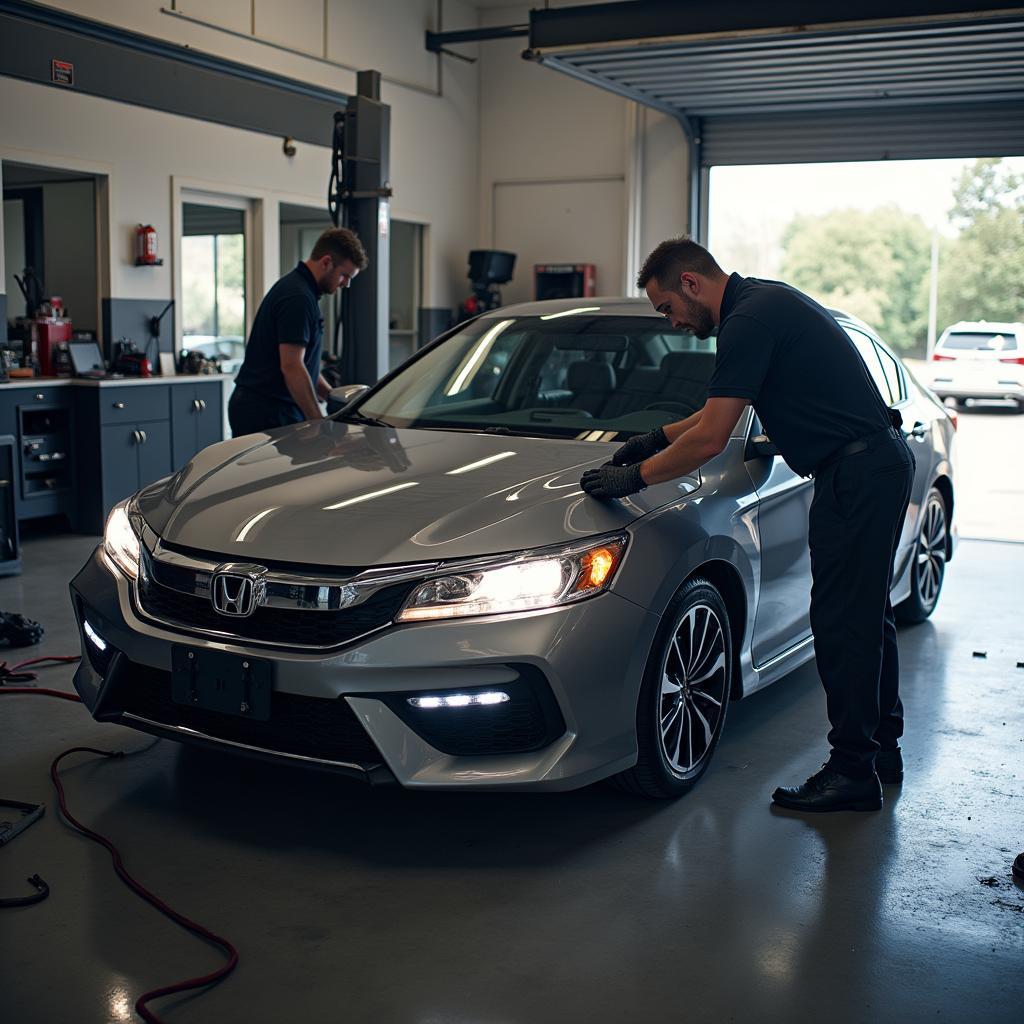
(121, 542)
(522, 584)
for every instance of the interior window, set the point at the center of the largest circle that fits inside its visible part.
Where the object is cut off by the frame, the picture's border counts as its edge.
(869, 352)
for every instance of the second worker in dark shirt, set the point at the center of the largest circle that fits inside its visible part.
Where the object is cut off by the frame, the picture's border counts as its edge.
(783, 353)
(280, 382)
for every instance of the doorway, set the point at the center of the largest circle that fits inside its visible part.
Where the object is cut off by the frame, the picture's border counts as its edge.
(300, 227)
(51, 238)
(405, 290)
(215, 277)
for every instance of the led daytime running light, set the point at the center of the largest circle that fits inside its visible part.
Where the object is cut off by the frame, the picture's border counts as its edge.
(460, 700)
(97, 641)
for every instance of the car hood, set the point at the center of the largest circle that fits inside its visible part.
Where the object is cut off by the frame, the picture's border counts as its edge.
(329, 493)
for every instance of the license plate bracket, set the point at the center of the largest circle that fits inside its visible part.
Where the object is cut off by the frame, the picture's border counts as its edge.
(229, 684)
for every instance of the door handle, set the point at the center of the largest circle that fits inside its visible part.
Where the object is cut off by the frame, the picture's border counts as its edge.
(919, 430)
(195, 405)
(136, 437)
(202, 405)
(143, 435)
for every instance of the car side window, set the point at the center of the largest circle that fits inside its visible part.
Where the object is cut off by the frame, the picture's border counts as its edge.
(869, 352)
(892, 373)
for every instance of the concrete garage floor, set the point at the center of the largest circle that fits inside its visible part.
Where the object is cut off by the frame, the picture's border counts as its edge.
(382, 906)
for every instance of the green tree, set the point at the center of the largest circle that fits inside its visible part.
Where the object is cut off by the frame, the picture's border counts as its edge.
(872, 263)
(981, 272)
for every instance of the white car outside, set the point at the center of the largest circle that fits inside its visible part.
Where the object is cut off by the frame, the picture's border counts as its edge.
(979, 360)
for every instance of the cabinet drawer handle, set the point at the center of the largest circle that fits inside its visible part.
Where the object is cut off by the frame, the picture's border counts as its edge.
(40, 397)
(119, 405)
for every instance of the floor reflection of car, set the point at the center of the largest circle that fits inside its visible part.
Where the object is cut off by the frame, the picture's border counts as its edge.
(417, 589)
(228, 350)
(979, 360)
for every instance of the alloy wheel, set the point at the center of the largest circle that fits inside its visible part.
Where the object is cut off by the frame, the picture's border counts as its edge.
(693, 688)
(931, 551)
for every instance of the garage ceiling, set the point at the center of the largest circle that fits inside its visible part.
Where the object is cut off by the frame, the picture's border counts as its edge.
(803, 80)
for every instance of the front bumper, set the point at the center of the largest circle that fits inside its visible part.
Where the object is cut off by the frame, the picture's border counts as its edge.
(337, 710)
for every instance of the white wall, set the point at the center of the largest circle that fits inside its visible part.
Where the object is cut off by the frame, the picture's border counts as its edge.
(569, 172)
(434, 152)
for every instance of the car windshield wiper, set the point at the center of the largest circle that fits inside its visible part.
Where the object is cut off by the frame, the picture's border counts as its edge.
(358, 417)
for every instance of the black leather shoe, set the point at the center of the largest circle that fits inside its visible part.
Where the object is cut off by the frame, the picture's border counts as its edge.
(889, 766)
(827, 790)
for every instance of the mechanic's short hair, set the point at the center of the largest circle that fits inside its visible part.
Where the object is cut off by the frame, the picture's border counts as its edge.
(672, 258)
(340, 244)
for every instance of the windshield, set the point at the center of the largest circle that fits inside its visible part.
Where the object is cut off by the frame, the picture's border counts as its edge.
(597, 378)
(981, 341)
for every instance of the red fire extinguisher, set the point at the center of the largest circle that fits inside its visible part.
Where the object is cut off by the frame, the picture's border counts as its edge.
(145, 244)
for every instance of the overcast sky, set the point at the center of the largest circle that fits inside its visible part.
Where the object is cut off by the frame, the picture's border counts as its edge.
(749, 206)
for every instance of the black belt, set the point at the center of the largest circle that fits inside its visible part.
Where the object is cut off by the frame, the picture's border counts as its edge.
(858, 446)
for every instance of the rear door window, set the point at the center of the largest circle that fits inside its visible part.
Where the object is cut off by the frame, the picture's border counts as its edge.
(869, 352)
(891, 369)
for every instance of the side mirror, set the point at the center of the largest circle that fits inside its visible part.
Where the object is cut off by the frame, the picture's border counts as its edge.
(761, 446)
(338, 398)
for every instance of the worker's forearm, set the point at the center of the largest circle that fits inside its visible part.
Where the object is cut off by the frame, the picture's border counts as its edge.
(683, 456)
(300, 387)
(676, 430)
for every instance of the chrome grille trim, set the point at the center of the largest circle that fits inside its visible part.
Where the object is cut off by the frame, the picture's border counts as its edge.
(290, 590)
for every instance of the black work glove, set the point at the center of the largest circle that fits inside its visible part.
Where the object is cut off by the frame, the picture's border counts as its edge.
(612, 481)
(641, 447)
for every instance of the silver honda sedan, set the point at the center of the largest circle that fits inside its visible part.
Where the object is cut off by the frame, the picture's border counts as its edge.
(416, 590)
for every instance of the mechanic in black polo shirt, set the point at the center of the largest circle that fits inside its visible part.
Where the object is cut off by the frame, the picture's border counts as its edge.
(773, 342)
(279, 382)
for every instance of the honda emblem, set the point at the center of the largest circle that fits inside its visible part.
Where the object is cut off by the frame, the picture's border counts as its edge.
(238, 590)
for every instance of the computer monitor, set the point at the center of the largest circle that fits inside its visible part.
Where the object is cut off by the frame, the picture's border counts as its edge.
(85, 358)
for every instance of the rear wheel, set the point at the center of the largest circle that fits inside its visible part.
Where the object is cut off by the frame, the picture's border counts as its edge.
(684, 696)
(928, 567)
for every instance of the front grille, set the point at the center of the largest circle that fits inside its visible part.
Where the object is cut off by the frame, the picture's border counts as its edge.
(323, 728)
(282, 627)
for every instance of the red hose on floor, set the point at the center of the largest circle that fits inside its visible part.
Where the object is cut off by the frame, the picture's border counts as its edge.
(122, 872)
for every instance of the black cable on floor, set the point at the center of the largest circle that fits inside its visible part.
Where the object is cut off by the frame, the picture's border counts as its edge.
(122, 872)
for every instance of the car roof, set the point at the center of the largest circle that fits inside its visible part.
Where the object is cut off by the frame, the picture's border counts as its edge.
(610, 305)
(984, 327)
(599, 305)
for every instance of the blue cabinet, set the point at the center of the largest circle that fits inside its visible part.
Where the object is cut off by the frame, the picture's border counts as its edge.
(82, 446)
(197, 418)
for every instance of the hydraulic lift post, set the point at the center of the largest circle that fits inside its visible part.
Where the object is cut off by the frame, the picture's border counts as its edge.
(359, 198)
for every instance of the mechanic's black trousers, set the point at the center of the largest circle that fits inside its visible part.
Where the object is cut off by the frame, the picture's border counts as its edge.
(250, 412)
(856, 518)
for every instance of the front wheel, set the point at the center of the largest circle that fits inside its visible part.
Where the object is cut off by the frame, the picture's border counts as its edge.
(684, 695)
(928, 568)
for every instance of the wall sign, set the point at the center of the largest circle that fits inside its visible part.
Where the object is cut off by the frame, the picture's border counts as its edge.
(62, 72)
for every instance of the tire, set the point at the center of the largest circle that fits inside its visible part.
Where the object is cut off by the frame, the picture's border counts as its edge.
(678, 726)
(928, 566)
